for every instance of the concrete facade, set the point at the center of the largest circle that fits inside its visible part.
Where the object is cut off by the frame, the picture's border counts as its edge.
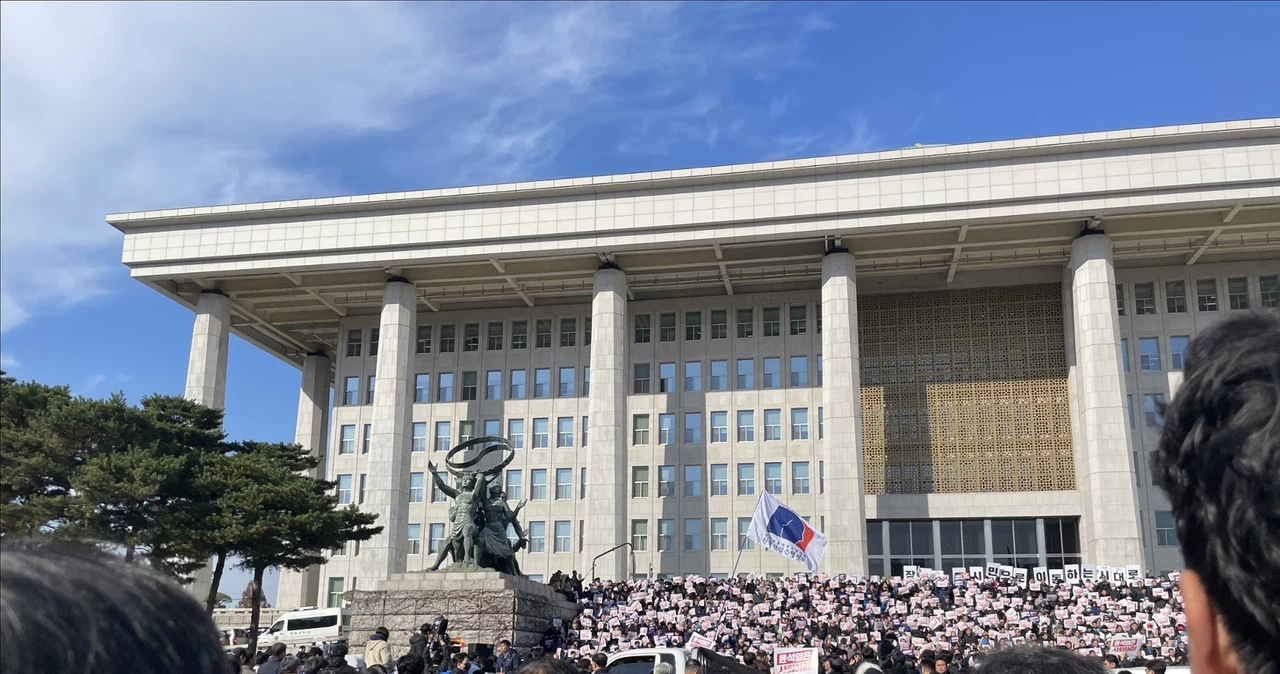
(297, 588)
(606, 322)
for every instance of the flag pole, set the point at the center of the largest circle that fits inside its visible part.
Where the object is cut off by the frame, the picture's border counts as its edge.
(733, 575)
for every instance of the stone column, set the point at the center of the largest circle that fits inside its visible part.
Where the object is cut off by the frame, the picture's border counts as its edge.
(607, 407)
(390, 439)
(842, 416)
(1110, 532)
(207, 381)
(302, 588)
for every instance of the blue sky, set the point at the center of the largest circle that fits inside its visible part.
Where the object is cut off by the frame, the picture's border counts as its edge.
(110, 108)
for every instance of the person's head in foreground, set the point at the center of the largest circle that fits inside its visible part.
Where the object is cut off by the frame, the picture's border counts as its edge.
(1219, 463)
(1036, 660)
(67, 608)
(548, 666)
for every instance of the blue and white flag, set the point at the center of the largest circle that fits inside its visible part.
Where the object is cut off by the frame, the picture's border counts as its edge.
(780, 529)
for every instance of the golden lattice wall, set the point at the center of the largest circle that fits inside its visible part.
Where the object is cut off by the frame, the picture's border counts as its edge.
(965, 391)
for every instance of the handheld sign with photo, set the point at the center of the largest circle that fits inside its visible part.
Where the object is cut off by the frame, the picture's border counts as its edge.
(700, 641)
(956, 573)
(1072, 572)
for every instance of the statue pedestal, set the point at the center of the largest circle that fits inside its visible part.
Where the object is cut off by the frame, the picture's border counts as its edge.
(482, 607)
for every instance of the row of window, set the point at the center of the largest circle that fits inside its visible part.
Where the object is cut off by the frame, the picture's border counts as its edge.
(446, 340)
(1152, 406)
(1149, 353)
(718, 380)
(948, 544)
(719, 484)
(517, 388)
(513, 485)
(1206, 295)
(442, 441)
(718, 323)
(745, 429)
(692, 535)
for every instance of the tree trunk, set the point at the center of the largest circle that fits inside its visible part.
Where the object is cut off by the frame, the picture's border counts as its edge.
(212, 600)
(128, 552)
(256, 612)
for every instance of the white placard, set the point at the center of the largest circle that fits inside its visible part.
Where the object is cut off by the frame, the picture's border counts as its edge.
(1073, 573)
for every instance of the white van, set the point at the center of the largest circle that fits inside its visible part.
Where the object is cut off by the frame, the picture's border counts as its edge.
(308, 626)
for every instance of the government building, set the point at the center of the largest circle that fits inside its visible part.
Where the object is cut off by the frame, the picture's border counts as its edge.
(941, 356)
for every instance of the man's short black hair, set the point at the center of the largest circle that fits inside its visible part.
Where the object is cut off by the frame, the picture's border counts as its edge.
(70, 608)
(547, 666)
(1218, 462)
(338, 650)
(410, 664)
(425, 628)
(600, 659)
(505, 642)
(1036, 660)
(1156, 666)
(1112, 659)
(277, 650)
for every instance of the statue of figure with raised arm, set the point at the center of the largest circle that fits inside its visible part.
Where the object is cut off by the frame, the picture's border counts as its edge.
(479, 515)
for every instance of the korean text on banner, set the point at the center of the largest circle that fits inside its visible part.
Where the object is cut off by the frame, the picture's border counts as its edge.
(700, 641)
(795, 660)
(780, 529)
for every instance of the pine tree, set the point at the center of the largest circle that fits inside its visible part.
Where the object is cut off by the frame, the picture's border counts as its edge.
(35, 466)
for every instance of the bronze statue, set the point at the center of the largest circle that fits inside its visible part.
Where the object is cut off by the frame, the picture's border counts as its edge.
(479, 515)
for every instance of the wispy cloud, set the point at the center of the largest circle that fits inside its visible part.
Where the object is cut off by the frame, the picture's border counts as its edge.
(8, 362)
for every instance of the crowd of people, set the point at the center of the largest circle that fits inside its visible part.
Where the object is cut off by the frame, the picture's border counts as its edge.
(904, 622)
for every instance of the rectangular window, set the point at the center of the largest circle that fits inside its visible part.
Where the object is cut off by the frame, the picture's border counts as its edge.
(368, 390)
(640, 482)
(799, 371)
(415, 488)
(471, 337)
(666, 377)
(568, 378)
(469, 380)
(364, 440)
(537, 537)
(519, 335)
(799, 477)
(666, 481)
(772, 324)
(772, 373)
(746, 374)
(538, 484)
(799, 423)
(746, 323)
(419, 431)
(582, 485)
(719, 375)
(719, 479)
(373, 341)
(666, 429)
(1165, 534)
(640, 378)
(493, 385)
(773, 478)
(466, 430)
(719, 427)
(336, 590)
(495, 337)
(542, 382)
(746, 426)
(1129, 405)
(746, 479)
(438, 495)
(1270, 290)
(1238, 292)
(644, 331)
(822, 477)
(541, 433)
(719, 534)
(693, 326)
(568, 333)
(585, 426)
(1144, 298)
(799, 324)
(424, 339)
(422, 388)
(693, 535)
(518, 378)
(1120, 299)
(564, 431)
(586, 381)
(443, 436)
(820, 429)
(666, 535)
(435, 538)
(818, 365)
(1175, 297)
(693, 428)
(542, 333)
(744, 543)
(447, 335)
(1124, 353)
(351, 391)
(719, 324)
(347, 444)
(586, 333)
(1149, 354)
(693, 481)
(444, 387)
(1178, 351)
(1207, 294)
(514, 485)
(772, 425)
(564, 536)
(667, 327)
(515, 432)
(344, 489)
(692, 376)
(355, 339)
(1151, 409)
(564, 484)
(640, 429)
(640, 535)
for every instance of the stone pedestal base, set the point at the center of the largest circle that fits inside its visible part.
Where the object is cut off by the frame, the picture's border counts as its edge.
(482, 607)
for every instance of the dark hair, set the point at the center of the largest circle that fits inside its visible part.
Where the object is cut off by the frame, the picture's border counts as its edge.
(601, 660)
(1218, 458)
(382, 630)
(547, 666)
(459, 657)
(290, 663)
(410, 664)
(69, 607)
(1036, 660)
(505, 642)
(425, 628)
(314, 663)
(1156, 666)
(241, 655)
(277, 650)
(1112, 659)
(339, 650)
(537, 652)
